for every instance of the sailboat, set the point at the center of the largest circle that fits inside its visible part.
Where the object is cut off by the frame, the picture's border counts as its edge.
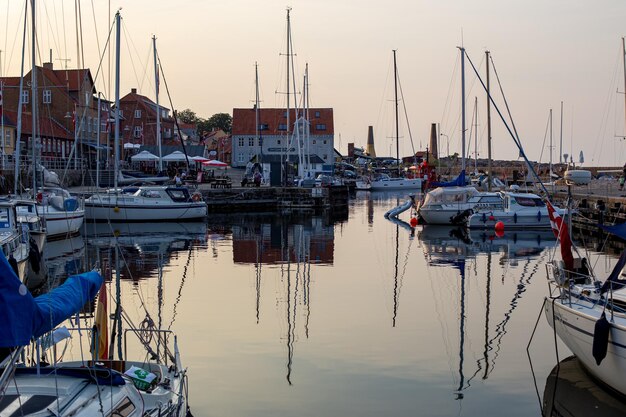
(384, 181)
(142, 203)
(62, 214)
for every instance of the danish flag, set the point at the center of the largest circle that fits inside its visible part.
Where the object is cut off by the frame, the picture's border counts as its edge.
(560, 230)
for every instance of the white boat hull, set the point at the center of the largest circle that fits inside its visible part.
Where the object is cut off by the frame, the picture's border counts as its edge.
(61, 224)
(136, 213)
(521, 221)
(442, 216)
(574, 324)
(390, 184)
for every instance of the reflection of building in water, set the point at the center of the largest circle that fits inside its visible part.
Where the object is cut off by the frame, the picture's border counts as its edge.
(273, 242)
(143, 253)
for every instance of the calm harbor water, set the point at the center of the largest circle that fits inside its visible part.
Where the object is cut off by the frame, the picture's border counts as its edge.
(291, 315)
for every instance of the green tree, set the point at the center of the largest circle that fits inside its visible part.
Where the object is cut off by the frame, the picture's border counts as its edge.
(187, 116)
(222, 121)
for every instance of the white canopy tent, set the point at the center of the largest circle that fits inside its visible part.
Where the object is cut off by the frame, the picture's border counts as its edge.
(144, 156)
(176, 156)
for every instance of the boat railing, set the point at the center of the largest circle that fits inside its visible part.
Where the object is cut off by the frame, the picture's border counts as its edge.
(162, 352)
(8, 366)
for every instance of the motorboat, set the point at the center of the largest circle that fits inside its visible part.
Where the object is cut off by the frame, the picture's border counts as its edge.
(383, 182)
(452, 205)
(146, 203)
(14, 241)
(518, 211)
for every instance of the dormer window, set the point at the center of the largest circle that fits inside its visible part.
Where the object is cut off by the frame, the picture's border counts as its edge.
(137, 114)
(47, 97)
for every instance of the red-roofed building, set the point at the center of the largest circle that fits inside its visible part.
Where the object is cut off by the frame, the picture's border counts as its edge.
(275, 139)
(67, 110)
(139, 126)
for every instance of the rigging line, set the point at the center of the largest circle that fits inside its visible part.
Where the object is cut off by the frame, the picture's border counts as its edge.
(608, 104)
(506, 103)
(128, 42)
(382, 99)
(64, 30)
(49, 26)
(451, 88)
(95, 25)
(7, 62)
(519, 146)
(406, 116)
(167, 89)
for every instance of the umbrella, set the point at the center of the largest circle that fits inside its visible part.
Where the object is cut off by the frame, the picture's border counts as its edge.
(199, 158)
(144, 156)
(215, 164)
(176, 156)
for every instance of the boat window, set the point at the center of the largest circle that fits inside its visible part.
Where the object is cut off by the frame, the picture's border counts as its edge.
(529, 202)
(151, 194)
(124, 409)
(178, 194)
(490, 200)
(4, 218)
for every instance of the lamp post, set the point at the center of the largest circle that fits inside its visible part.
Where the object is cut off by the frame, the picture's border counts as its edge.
(447, 143)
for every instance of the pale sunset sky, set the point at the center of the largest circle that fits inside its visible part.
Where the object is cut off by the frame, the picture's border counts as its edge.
(544, 52)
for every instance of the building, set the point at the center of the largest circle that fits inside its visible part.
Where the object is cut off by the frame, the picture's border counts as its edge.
(67, 111)
(276, 135)
(139, 126)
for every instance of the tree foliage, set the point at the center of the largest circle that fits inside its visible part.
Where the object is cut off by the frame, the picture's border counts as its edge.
(187, 116)
(222, 121)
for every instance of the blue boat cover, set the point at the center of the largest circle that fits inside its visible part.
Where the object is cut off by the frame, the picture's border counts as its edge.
(25, 317)
(618, 230)
(458, 182)
(614, 279)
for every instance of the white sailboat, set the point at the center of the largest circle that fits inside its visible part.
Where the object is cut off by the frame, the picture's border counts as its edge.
(143, 203)
(384, 181)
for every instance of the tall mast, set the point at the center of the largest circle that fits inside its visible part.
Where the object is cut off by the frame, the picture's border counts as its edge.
(624, 57)
(33, 85)
(395, 86)
(288, 53)
(158, 108)
(550, 179)
(256, 108)
(462, 108)
(117, 99)
(307, 119)
(561, 134)
(18, 135)
(475, 135)
(488, 125)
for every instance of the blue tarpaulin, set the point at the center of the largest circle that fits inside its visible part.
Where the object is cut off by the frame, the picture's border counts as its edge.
(458, 182)
(24, 317)
(618, 230)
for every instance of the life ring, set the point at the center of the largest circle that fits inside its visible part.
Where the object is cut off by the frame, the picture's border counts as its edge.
(196, 197)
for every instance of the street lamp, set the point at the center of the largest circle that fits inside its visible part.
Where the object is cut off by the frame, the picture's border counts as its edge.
(447, 142)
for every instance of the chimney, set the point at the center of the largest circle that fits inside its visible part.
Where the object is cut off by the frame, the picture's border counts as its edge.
(48, 65)
(433, 141)
(370, 142)
(133, 91)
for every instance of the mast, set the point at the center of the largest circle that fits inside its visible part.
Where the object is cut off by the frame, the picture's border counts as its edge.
(19, 109)
(256, 108)
(33, 86)
(462, 108)
(488, 126)
(395, 86)
(561, 134)
(117, 99)
(288, 53)
(624, 57)
(550, 179)
(475, 135)
(158, 108)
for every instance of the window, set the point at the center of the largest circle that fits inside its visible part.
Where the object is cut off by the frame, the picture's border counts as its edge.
(314, 141)
(89, 124)
(250, 141)
(121, 113)
(47, 97)
(137, 132)
(263, 126)
(278, 142)
(240, 141)
(317, 115)
(325, 157)
(282, 127)
(320, 127)
(240, 157)
(25, 97)
(137, 114)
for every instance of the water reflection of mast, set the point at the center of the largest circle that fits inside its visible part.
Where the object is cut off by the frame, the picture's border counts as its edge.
(459, 394)
(487, 309)
(395, 279)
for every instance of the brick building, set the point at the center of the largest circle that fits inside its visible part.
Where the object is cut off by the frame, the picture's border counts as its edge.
(139, 125)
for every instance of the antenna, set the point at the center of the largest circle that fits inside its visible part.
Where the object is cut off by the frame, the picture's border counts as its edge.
(65, 61)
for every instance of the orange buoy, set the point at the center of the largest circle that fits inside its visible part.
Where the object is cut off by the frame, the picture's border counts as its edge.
(413, 221)
(499, 227)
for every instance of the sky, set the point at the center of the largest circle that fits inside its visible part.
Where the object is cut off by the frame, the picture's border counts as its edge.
(544, 53)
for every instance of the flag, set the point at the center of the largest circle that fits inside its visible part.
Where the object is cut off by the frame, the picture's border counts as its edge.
(560, 230)
(101, 340)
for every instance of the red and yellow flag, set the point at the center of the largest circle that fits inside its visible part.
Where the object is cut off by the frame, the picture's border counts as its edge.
(102, 325)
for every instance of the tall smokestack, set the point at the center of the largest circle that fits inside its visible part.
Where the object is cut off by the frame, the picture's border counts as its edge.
(370, 142)
(433, 141)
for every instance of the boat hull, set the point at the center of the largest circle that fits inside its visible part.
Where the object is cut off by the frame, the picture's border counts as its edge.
(60, 224)
(510, 221)
(442, 216)
(574, 324)
(390, 184)
(139, 213)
